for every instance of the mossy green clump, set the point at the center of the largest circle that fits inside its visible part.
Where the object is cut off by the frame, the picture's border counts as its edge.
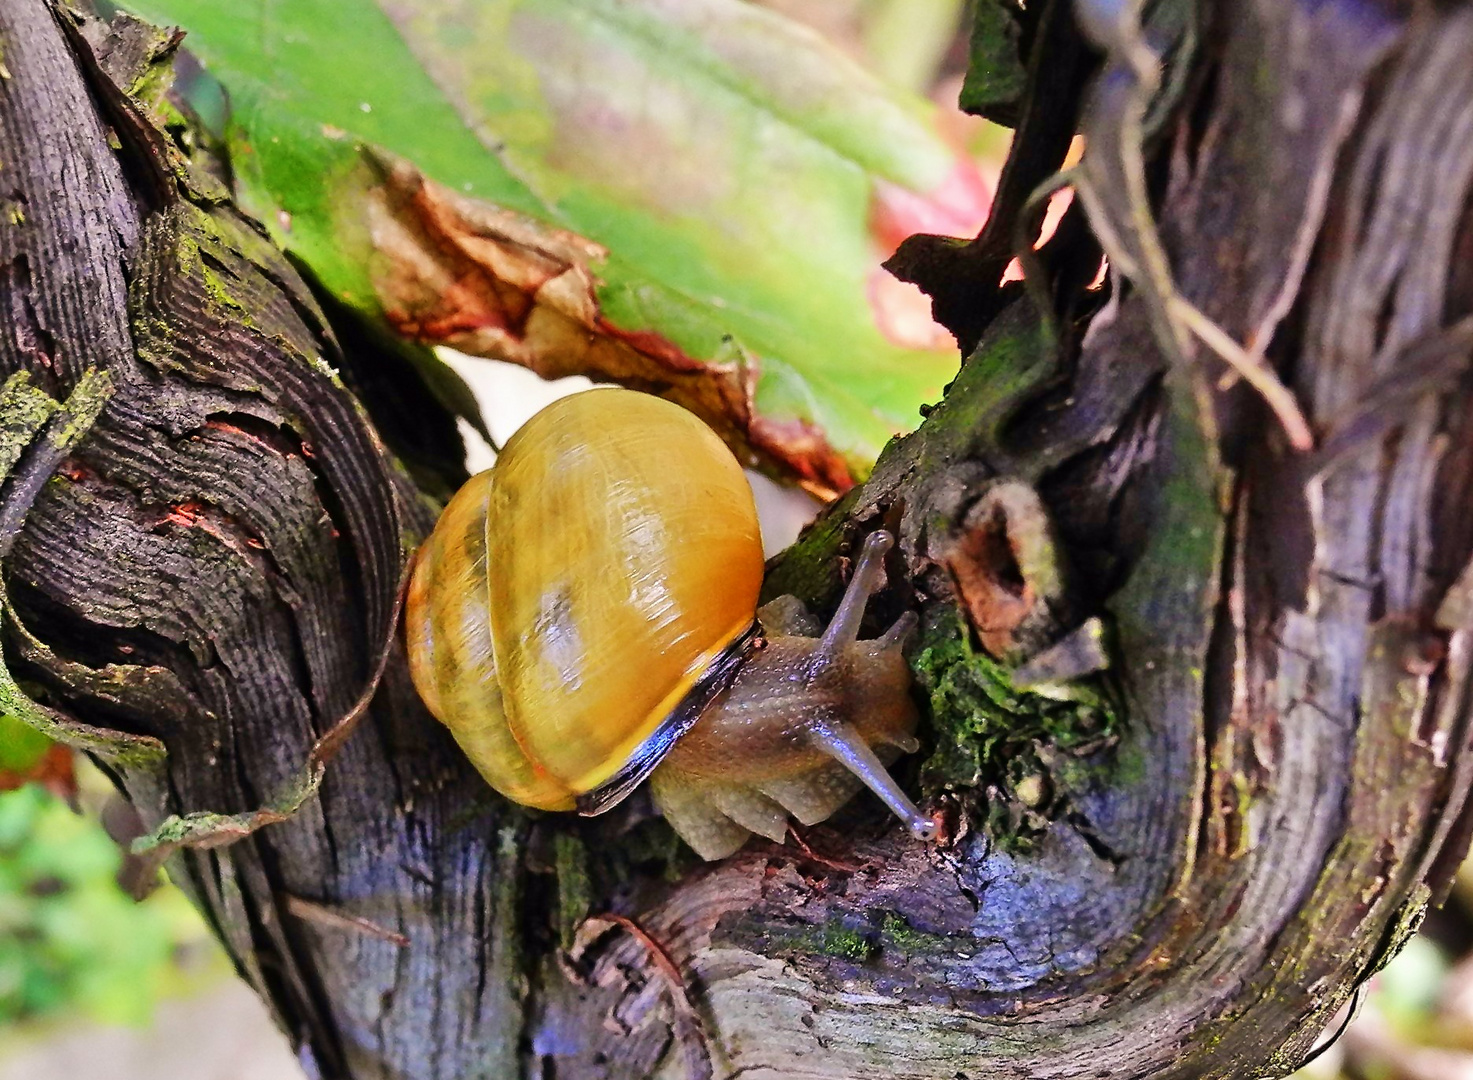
(896, 933)
(846, 943)
(993, 740)
(982, 720)
(850, 938)
(886, 938)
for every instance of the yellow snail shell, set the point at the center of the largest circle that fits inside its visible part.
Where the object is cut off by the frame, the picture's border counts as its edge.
(585, 610)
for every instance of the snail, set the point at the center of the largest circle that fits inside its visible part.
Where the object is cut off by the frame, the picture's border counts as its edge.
(584, 616)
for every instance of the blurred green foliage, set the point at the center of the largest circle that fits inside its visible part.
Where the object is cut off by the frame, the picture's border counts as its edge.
(1408, 991)
(71, 941)
(21, 745)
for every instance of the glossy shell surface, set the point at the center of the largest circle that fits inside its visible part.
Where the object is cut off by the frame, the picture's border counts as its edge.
(571, 595)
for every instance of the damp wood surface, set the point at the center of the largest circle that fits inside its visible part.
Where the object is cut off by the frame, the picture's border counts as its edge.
(210, 567)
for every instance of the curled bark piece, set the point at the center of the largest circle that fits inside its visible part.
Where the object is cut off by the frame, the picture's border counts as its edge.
(1005, 562)
(687, 1022)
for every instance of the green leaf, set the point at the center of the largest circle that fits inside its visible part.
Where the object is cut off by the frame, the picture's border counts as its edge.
(21, 746)
(672, 193)
(996, 73)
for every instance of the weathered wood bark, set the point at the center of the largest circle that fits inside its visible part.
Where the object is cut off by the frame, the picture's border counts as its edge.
(210, 571)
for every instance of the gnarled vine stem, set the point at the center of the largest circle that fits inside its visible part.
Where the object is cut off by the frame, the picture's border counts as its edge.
(1182, 873)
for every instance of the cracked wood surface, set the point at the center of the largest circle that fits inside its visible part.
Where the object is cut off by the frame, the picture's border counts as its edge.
(214, 564)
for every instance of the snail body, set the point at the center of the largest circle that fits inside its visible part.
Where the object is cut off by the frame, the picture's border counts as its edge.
(583, 616)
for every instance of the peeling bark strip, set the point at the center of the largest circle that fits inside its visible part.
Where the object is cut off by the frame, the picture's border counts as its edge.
(213, 565)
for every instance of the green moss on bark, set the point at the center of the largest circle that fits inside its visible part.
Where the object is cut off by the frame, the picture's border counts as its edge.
(995, 742)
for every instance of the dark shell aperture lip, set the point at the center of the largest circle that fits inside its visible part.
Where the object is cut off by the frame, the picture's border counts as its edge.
(681, 719)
